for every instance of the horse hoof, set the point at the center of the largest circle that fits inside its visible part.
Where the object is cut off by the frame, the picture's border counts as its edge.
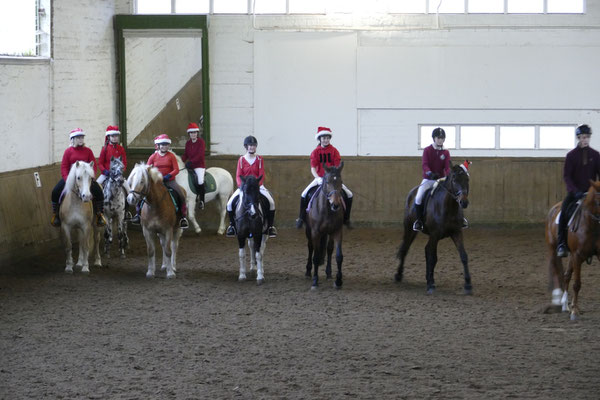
(260, 282)
(314, 288)
(398, 277)
(469, 291)
(163, 267)
(337, 286)
(574, 317)
(69, 270)
(431, 291)
(85, 271)
(171, 276)
(149, 275)
(242, 279)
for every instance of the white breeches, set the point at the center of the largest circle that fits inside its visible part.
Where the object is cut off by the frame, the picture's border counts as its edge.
(200, 175)
(425, 184)
(317, 181)
(263, 190)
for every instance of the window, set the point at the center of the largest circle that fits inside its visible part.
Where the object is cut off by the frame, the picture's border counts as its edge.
(541, 137)
(25, 28)
(359, 6)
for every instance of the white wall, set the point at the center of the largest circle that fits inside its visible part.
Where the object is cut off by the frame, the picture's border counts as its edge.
(41, 101)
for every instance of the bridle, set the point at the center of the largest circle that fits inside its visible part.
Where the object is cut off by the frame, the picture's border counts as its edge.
(455, 194)
(143, 193)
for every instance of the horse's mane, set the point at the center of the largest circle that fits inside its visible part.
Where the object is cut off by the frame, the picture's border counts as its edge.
(153, 172)
(70, 182)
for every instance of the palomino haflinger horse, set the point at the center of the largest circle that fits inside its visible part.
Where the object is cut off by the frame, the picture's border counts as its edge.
(251, 225)
(158, 216)
(324, 222)
(583, 241)
(443, 218)
(220, 191)
(76, 212)
(114, 207)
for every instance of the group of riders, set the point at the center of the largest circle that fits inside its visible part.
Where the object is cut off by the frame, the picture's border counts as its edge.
(582, 164)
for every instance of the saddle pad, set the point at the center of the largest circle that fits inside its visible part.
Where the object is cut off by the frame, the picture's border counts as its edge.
(174, 198)
(209, 182)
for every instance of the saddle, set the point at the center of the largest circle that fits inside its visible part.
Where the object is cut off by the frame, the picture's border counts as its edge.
(175, 198)
(573, 213)
(209, 182)
(310, 195)
(428, 194)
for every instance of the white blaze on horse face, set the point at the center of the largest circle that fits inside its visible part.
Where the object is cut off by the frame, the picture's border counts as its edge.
(252, 209)
(83, 180)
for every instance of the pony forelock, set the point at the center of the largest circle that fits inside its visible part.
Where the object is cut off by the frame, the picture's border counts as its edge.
(81, 165)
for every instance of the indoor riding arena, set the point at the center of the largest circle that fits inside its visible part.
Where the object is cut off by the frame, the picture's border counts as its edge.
(513, 86)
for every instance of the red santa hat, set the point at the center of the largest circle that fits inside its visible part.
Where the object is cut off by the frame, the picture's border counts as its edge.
(76, 132)
(465, 166)
(322, 131)
(112, 130)
(193, 127)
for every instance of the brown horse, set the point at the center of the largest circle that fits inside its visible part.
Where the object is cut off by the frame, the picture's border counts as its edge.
(324, 221)
(157, 216)
(444, 217)
(584, 242)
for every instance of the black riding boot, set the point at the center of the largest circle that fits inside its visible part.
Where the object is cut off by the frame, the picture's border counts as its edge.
(138, 210)
(55, 221)
(302, 215)
(347, 212)
(99, 212)
(231, 228)
(562, 250)
(418, 225)
(201, 193)
(272, 231)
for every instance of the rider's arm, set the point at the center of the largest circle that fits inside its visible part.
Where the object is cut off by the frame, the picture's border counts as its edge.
(313, 171)
(238, 172)
(174, 166)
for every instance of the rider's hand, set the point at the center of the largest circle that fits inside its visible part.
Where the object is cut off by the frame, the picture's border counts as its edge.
(188, 164)
(166, 178)
(319, 181)
(432, 175)
(105, 172)
(579, 195)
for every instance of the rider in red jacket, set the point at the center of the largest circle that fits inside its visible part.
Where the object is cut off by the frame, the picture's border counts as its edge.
(111, 148)
(193, 157)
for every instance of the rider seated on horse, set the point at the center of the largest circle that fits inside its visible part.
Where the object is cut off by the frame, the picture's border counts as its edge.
(326, 154)
(581, 164)
(77, 151)
(193, 157)
(436, 165)
(111, 149)
(251, 164)
(166, 163)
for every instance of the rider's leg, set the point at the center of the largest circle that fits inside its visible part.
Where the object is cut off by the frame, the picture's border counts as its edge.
(349, 198)
(98, 202)
(201, 189)
(55, 220)
(304, 198)
(231, 232)
(183, 222)
(562, 250)
(425, 184)
(271, 230)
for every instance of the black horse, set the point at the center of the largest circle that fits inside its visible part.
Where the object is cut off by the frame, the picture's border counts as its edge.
(443, 218)
(324, 221)
(250, 223)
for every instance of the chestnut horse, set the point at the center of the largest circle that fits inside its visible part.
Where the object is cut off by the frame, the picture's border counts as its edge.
(444, 218)
(76, 213)
(584, 243)
(324, 221)
(157, 216)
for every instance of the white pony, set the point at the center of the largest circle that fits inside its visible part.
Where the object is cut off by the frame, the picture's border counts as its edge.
(76, 212)
(224, 188)
(157, 216)
(114, 207)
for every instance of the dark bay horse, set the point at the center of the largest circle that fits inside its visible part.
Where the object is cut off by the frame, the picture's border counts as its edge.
(444, 218)
(324, 221)
(250, 224)
(584, 243)
(157, 216)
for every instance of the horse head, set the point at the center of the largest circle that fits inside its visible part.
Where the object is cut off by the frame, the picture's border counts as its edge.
(332, 186)
(80, 179)
(250, 198)
(459, 183)
(138, 182)
(116, 168)
(592, 199)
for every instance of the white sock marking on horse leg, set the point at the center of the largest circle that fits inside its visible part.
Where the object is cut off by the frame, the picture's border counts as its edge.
(557, 296)
(242, 257)
(565, 301)
(259, 266)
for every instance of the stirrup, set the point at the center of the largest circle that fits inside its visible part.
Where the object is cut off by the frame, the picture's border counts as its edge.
(562, 251)
(230, 231)
(465, 223)
(127, 216)
(299, 223)
(55, 221)
(272, 232)
(418, 226)
(183, 223)
(100, 220)
(200, 204)
(135, 219)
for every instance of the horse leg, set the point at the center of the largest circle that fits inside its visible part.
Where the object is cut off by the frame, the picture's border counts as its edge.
(97, 234)
(318, 245)
(108, 235)
(556, 283)
(191, 212)
(68, 248)
(310, 254)
(329, 254)
(223, 212)
(409, 237)
(259, 249)
(457, 238)
(122, 234)
(431, 260)
(151, 252)
(339, 257)
(242, 257)
(84, 249)
(251, 245)
(166, 241)
(576, 267)
(174, 243)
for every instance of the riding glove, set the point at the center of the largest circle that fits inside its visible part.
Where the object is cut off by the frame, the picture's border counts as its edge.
(105, 172)
(432, 175)
(188, 164)
(167, 178)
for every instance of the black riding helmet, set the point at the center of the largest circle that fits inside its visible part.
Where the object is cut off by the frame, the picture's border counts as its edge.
(438, 132)
(250, 140)
(583, 130)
